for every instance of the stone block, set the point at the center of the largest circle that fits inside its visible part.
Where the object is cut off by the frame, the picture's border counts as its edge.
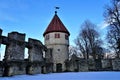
(48, 68)
(106, 64)
(15, 48)
(116, 64)
(35, 52)
(83, 65)
(98, 64)
(1, 68)
(14, 68)
(49, 56)
(34, 68)
(16, 36)
(91, 64)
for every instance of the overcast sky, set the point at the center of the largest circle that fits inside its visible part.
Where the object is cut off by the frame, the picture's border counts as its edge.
(33, 16)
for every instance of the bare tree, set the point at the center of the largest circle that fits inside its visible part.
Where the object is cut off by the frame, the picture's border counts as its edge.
(88, 40)
(112, 17)
(74, 50)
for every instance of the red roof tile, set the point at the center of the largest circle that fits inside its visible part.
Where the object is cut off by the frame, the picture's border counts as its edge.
(56, 25)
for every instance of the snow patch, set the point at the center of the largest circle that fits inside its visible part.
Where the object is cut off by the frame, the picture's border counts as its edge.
(68, 76)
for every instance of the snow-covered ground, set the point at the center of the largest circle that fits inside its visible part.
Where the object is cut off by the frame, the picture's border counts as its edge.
(68, 76)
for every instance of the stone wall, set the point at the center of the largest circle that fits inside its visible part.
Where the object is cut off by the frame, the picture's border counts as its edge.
(14, 62)
(35, 56)
(83, 65)
(48, 68)
(106, 64)
(93, 65)
(116, 64)
(1, 68)
(15, 47)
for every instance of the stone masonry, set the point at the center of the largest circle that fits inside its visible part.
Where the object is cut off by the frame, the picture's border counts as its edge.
(14, 62)
(35, 57)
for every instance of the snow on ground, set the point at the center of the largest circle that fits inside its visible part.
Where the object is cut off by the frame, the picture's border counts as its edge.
(68, 76)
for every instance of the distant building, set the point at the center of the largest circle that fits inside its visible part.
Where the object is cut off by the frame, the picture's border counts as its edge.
(56, 38)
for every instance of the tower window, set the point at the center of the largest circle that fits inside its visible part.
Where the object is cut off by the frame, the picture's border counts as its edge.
(57, 35)
(58, 49)
(47, 37)
(66, 37)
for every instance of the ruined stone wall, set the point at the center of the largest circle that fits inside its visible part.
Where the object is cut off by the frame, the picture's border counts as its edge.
(15, 47)
(116, 64)
(93, 65)
(35, 57)
(14, 62)
(35, 52)
(1, 68)
(48, 68)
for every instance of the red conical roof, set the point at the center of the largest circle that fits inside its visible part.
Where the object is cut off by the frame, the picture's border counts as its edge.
(56, 25)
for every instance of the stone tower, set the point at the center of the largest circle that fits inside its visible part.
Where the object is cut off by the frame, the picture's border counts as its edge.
(56, 38)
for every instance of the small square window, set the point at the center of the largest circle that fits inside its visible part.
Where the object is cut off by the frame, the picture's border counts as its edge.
(66, 37)
(47, 37)
(57, 35)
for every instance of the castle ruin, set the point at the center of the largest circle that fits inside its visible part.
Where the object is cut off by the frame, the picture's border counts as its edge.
(55, 59)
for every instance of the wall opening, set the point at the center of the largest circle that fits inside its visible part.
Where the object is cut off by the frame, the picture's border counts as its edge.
(2, 51)
(59, 67)
(26, 53)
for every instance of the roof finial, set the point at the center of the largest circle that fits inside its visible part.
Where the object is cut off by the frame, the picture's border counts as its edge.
(56, 9)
